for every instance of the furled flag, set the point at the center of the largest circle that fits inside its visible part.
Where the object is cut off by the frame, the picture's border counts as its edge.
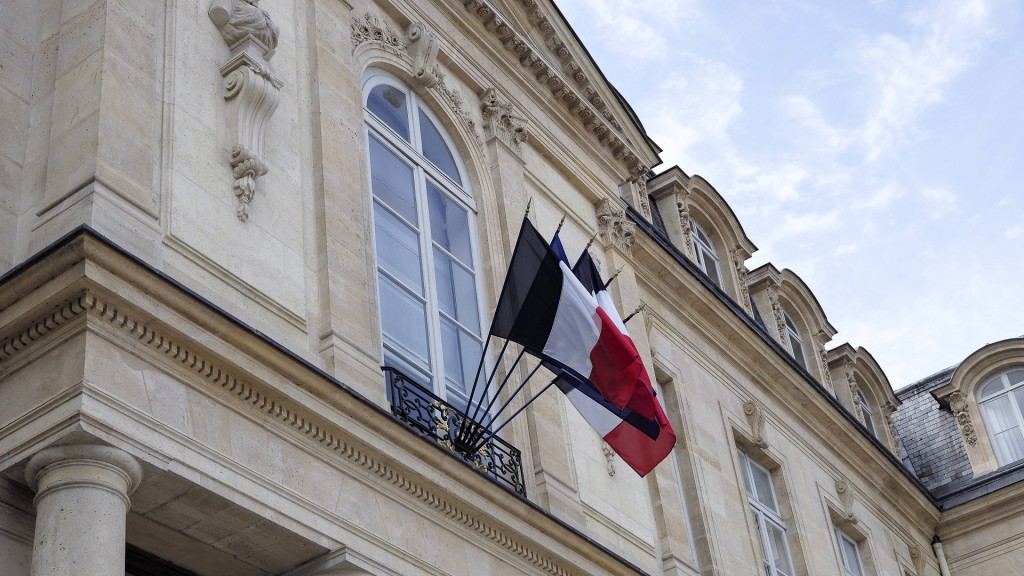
(640, 432)
(544, 308)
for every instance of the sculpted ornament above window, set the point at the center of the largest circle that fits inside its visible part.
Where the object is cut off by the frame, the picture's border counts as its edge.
(613, 227)
(237, 19)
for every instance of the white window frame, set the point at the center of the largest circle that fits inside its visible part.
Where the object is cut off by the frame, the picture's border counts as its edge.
(792, 334)
(424, 169)
(705, 251)
(764, 516)
(984, 403)
(851, 567)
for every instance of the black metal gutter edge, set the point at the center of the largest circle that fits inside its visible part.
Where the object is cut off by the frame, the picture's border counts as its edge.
(86, 230)
(987, 484)
(771, 343)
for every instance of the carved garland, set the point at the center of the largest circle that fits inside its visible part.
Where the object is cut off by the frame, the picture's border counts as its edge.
(851, 381)
(739, 258)
(890, 424)
(823, 338)
(958, 404)
(780, 319)
(684, 222)
(280, 410)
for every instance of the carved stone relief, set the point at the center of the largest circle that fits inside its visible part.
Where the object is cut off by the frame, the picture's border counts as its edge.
(822, 339)
(640, 179)
(780, 319)
(613, 227)
(958, 404)
(851, 381)
(684, 222)
(890, 424)
(372, 28)
(756, 419)
(845, 493)
(609, 457)
(739, 258)
(422, 47)
(251, 89)
(918, 558)
(501, 122)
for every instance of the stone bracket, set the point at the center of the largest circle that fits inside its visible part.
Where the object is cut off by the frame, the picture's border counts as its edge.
(251, 90)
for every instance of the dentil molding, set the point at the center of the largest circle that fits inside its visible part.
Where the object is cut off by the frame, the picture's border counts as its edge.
(251, 89)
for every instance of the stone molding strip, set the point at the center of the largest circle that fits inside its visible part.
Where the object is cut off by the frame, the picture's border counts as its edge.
(583, 101)
(277, 408)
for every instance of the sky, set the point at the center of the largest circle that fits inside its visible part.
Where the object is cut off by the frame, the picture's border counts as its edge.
(870, 147)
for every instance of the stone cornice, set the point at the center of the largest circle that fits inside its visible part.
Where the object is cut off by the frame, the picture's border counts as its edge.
(120, 316)
(566, 80)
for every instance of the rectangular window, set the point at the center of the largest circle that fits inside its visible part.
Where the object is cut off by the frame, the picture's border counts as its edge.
(771, 530)
(849, 555)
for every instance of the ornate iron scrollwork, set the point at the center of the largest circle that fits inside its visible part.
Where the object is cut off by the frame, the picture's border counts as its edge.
(438, 421)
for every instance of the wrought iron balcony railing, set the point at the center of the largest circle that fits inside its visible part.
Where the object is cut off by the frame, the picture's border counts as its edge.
(440, 422)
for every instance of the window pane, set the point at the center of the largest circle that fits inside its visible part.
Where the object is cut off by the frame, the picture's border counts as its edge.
(777, 541)
(994, 386)
(851, 556)
(392, 180)
(395, 360)
(999, 414)
(763, 487)
(398, 248)
(449, 224)
(461, 358)
(403, 320)
(869, 423)
(456, 291)
(436, 150)
(711, 267)
(391, 105)
(1015, 376)
(798, 351)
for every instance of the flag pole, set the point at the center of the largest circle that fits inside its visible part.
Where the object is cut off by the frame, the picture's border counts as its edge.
(635, 312)
(590, 242)
(560, 222)
(614, 276)
(487, 438)
(504, 382)
(476, 379)
(514, 394)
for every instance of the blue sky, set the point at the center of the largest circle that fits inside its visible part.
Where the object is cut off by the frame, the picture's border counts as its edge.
(870, 147)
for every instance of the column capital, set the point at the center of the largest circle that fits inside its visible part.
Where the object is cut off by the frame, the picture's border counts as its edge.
(56, 457)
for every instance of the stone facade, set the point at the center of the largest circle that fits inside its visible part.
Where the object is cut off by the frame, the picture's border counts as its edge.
(191, 312)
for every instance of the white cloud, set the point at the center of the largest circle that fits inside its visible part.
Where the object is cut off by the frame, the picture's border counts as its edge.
(882, 197)
(637, 29)
(940, 201)
(1014, 232)
(847, 248)
(910, 74)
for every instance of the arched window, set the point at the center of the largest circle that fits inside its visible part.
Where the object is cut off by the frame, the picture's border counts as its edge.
(794, 341)
(1001, 401)
(866, 413)
(706, 257)
(424, 235)
(764, 506)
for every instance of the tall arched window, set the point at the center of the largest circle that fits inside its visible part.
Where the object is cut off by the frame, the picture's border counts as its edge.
(707, 259)
(1001, 400)
(423, 215)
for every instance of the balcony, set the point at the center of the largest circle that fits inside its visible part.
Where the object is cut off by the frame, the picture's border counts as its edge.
(439, 422)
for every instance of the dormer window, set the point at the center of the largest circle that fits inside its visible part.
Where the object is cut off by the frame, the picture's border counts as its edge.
(795, 342)
(706, 257)
(1001, 401)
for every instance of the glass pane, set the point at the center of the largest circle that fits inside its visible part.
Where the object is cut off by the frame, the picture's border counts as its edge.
(999, 414)
(789, 322)
(1015, 376)
(1009, 446)
(391, 105)
(702, 238)
(395, 360)
(994, 386)
(851, 556)
(392, 180)
(798, 350)
(779, 555)
(711, 267)
(745, 472)
(461, 358)
(449, 224)
(398, 248)
(869, 422)
(456, 291)
(436, 150)
(403, 320)
(763, 487)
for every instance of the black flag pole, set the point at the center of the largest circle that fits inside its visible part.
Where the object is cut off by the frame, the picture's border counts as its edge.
(476, 379)
(487, 437)
(504, 381)
(635, 312)
(473, 441)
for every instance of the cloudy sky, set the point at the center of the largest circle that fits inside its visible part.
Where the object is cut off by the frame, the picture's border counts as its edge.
(868, 146)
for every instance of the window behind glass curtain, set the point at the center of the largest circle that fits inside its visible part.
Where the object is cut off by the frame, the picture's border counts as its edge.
(423, 234)
(707, 259)
(1001, 401)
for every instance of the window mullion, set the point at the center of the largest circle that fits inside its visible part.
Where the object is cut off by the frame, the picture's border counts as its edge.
(430, 283)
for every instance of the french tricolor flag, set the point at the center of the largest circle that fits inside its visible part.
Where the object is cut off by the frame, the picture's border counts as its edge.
(639, 433)
(554, 313)
(545, 308)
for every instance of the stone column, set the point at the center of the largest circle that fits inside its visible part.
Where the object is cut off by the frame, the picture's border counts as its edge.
(81, 505)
